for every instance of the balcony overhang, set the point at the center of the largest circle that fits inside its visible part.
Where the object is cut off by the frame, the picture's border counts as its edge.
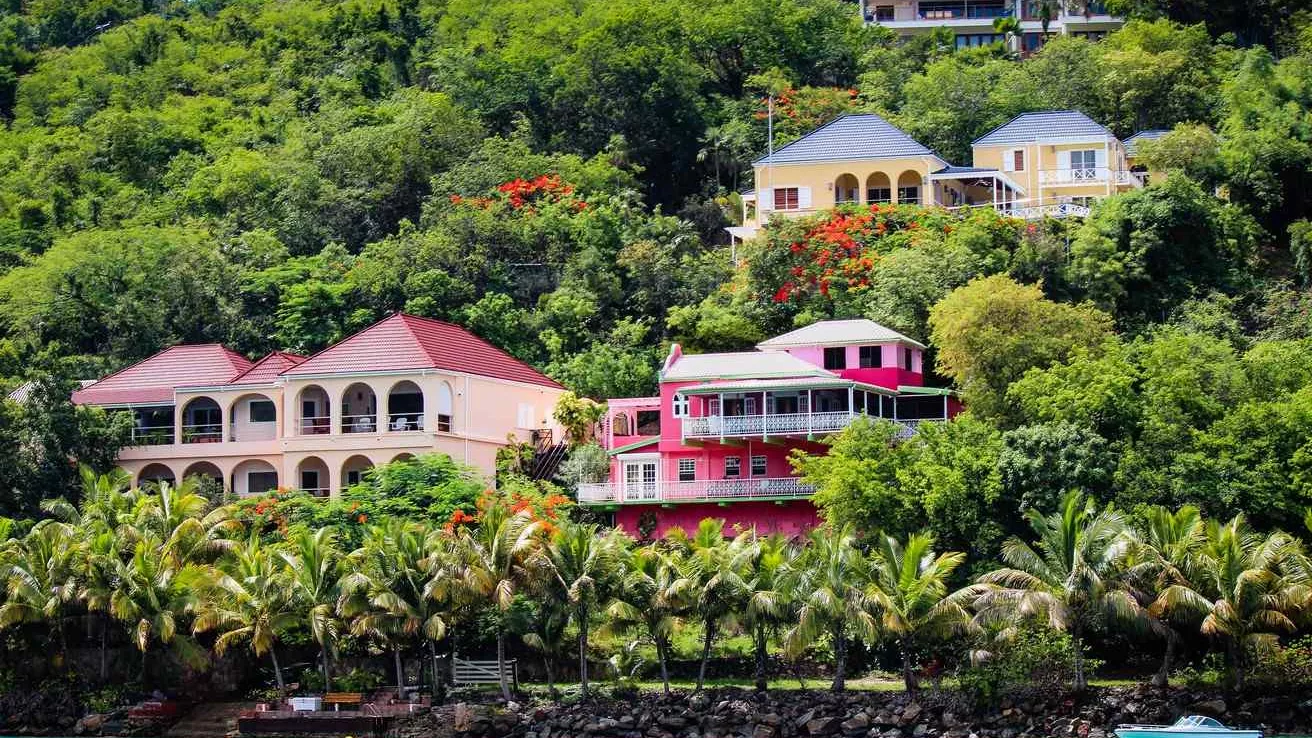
(792, 383)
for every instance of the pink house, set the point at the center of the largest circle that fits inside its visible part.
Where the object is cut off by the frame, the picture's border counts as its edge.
(715, 442)
(399, 388)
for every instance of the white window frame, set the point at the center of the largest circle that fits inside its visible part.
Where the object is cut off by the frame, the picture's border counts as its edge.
(688, 466)
(738, 467)
(764, 466)
(679, 406)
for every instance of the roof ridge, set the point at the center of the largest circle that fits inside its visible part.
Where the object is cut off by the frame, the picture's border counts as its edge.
(813, 131)
(159, 353)
(1018, 116)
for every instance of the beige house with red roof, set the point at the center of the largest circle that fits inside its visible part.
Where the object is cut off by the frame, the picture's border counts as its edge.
(404, 386)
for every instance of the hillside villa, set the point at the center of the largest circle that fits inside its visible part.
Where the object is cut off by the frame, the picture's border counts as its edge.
(1036, 165)
(715, 441)
(971, 21)
(401, 387)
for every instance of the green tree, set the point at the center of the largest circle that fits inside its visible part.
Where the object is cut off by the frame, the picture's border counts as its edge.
(313, 562)
(582, 561)
(653, 595)
(250, 601)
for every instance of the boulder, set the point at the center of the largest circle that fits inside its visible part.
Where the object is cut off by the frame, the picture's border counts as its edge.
(822, 726)
(1215, 708)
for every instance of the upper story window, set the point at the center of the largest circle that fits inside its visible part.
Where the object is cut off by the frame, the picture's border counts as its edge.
(836, 357)
(687, 470)
(906, 359)
(758, 466)
(871, 357)
(263, 411)
(1086, 159)
(679, 406)
(619, 425)
(787, 198)
(1013, 161)
(733, 467)
(883, 13)
(649, 422)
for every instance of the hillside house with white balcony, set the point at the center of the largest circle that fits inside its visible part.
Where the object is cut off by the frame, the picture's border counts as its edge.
(401, 387)
(715, 441)
(1036, 165)
(971, 21)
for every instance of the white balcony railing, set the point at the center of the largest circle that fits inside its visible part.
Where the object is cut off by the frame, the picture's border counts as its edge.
(788, 424)
(784, 488)
(1089, 175)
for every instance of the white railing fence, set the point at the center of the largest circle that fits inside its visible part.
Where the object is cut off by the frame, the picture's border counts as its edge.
(782, 488)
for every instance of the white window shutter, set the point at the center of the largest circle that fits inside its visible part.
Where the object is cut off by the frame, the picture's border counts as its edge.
(804, 197)
(1100, 156)
(764, 199)
(1009, 161)
(1063, 160)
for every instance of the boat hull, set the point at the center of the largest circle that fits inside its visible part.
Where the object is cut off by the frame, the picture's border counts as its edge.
(1168, 732)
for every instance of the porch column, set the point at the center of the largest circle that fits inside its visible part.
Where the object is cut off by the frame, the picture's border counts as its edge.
(177, 420)
(851, 401)
(810, 410)
(721, 417)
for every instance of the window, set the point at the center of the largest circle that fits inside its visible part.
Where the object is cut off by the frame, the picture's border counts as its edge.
(257, 483)
(309, 479)
(908, 195)
(786, 198)
(263, 411)
(758, 466)
(883, 13)
(649, 422)
(679, 406)
(836, 357)
(733, 467)
(906, 359)
(1013, 161)
(879, 194)
(444, 423)
(973, 40)
(1087, 159)
(687, 470)
(525, 419)
(749, 405)
(352, 477)
(871, 357)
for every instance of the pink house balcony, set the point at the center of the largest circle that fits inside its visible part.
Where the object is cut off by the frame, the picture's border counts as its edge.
(701, 490)
(791, 424)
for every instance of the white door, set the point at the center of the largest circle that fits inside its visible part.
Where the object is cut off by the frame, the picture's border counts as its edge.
(640, 480)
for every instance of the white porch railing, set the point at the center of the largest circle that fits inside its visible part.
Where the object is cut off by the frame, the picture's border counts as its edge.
(784, 488)
(1051, 210)
(1089, 175)
(788, 424)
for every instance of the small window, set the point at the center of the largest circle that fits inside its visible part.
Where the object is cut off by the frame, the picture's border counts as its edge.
(263, 411)
(836, 357)
(1087, 159)
(758, 466)
(749, 405)
(908, 195)
(309, 479)
(871, 357)
(906, 359)
(679, 406)
(1018, 160)
(257, 483)
(444, 423)
(786, 198)
(879, 194)
(883, 13)
(619, 425)
(733, 467)
(687, 470)
(352, 477)
(649, 422)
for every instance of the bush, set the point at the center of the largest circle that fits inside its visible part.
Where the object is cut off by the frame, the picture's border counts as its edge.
(1284, 667)
(1031, 658)
(357, 680)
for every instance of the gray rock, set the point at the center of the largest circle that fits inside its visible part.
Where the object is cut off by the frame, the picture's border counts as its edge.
(1215, 708)
(822, 726)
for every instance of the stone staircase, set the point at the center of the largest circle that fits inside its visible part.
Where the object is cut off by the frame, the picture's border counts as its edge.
(210, 720)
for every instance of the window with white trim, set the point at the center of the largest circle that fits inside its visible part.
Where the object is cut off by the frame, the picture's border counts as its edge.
(679, 406)
(870, 357)
(1086, 159)
(733, 467)
(687, 470)
(758, 466)
(787, 198)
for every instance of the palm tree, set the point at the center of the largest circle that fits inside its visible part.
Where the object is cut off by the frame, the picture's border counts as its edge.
(1009, 26)
(250, 601)
(546, 634)
(831, 584)
(1163, 555)
(314, 572)
(182, 519)
(1246, 586)
(492, 561)
(152, 595)
(581, 561)
(97, 561)
(909, 585)
(389, 593)
(717, 592)
(652, 595)
(765, 567)
(1066, 576)
(40, 578)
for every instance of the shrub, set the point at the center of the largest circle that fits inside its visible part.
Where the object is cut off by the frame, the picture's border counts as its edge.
(1284, 667)
(1031, 658)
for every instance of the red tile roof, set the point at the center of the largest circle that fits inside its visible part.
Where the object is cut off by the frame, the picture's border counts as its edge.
(403, 342)
(153, 380)
(267, 369)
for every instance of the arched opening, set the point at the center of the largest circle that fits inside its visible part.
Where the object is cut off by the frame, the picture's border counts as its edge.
(846, 189)
(209, 479)
(403, 457)
(354, 469)
(405, 407)
(253, 418)
(908, 188)
(359, 409)
(154, 474)
(315, 410)
(619, 425)
(878, 188)
(443, 410)
(312, 476)
(254, 477)
(202, 421)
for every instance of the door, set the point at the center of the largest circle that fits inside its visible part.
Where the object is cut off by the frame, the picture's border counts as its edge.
(309, 480)
(640, 480)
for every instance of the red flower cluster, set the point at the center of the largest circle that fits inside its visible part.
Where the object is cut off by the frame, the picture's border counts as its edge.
(840, 250)
(521, 193)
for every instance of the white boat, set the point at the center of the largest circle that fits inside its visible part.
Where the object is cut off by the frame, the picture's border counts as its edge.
(1193, 726)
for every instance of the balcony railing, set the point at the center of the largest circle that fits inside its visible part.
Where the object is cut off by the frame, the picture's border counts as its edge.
(1089, 175)
(405, 421)
(787, 424)
(152, 435)
(958, 12)
(784, 488)
(202, 433)
(316, 426)
(360, 423)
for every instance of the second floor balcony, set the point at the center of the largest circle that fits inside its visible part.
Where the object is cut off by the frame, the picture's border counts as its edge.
(1090, 175)
(701, 490)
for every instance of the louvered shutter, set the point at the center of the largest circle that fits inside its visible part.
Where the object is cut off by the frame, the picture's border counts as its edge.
(804, 198)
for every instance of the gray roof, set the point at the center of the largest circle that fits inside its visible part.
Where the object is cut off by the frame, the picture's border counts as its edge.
(741, 365)
(836, 333)
(1030, 127)
(950, 169)
(1132, 142)
(850, 137)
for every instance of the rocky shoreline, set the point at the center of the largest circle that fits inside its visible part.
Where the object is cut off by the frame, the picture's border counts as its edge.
(737, 713)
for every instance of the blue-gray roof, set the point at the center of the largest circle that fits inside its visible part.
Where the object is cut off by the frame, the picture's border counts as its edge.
(1030, 127)
(1132, 142)
(952, 169)
(849, 137)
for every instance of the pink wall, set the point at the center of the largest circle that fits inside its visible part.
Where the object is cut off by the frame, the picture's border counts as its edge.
(889, 374)
(792, 517)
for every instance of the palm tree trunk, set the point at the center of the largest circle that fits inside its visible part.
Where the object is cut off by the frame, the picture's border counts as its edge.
(1236, 654)
(501, 661)
(762, 682)
(327, 674)
(582, 617)
(277, 670)
(909, 677)
(665, 669)
(1081, 681)
(400, 672)
(104, 648)
(840, 661)
(1163, 675)
(706, 655)
(432, 657)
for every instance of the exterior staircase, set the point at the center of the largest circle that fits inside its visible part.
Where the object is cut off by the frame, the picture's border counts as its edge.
(210, 720)
(546, 460)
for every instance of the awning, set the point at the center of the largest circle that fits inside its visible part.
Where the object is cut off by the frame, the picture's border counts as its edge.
(791, 383)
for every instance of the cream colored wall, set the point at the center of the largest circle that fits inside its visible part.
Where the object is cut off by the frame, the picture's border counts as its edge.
(820, 177)
(1044, 157)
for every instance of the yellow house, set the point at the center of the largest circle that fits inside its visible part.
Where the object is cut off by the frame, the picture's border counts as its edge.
(1132, 153)
(1045, 164)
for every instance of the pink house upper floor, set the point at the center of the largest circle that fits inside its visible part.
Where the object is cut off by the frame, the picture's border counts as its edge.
(716, 441)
